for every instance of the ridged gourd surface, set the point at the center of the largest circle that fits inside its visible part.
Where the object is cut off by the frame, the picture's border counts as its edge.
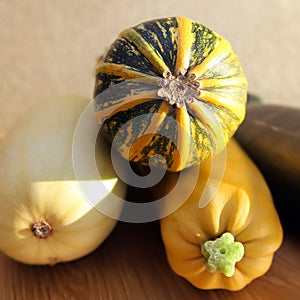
(171, 87)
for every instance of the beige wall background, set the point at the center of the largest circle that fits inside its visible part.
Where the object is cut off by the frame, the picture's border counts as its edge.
(49, 48)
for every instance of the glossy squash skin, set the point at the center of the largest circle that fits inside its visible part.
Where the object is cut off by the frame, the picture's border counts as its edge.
(186, 82)
(243, 206)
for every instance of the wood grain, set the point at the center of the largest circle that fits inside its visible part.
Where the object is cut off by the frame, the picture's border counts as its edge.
(131, 264)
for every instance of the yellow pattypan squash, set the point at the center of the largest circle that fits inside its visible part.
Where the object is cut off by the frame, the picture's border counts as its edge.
(45, 216)
(230, 241)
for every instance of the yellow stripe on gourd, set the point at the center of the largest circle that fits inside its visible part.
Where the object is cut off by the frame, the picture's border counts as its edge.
(210, 123)
(124, 104)
(185, 42)
(118, 70)
(146, 49)
(222, 49)
(232, 104)
(157, 119)
(239, 81)
(235, 104)
(183, 137)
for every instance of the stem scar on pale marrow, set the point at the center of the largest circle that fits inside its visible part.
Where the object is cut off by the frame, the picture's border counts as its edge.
(178, 89)
(41, 229)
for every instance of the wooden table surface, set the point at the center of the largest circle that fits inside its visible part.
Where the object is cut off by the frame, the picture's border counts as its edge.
(131, 264)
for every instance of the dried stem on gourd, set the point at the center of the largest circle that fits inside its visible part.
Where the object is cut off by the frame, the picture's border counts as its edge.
(41, 229)
(178, 89)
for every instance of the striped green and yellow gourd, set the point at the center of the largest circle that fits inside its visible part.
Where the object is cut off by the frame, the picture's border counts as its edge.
(171, 87)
